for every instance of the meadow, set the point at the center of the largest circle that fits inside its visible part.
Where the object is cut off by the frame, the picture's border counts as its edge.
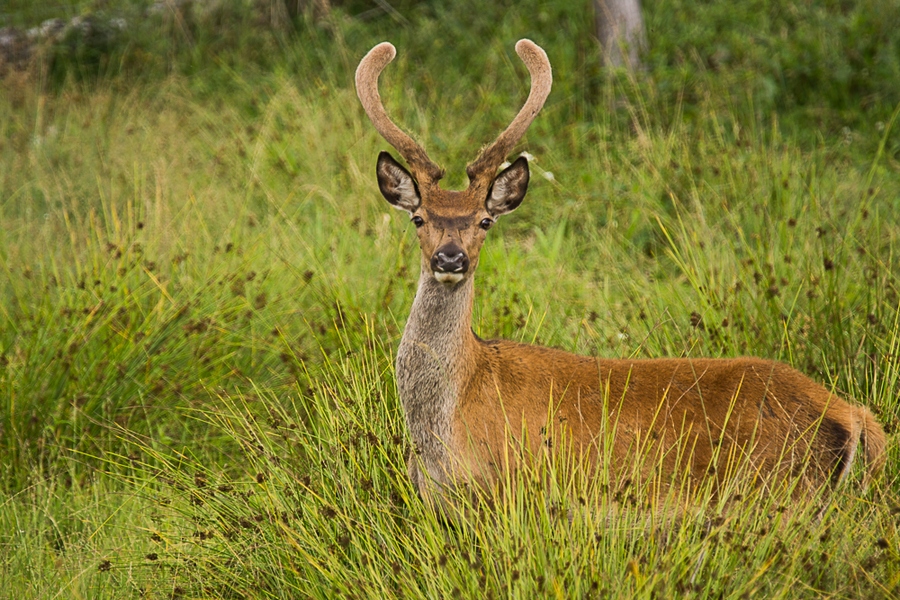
(202, 290)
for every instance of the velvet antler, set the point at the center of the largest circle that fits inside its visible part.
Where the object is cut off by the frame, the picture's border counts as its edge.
(482, 171)
(423, 169)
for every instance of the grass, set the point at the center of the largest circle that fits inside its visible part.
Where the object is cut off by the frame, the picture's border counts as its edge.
(202, 292)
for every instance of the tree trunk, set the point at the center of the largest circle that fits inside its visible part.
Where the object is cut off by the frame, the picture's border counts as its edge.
(279, 13)
(320, 8)
(620, 29)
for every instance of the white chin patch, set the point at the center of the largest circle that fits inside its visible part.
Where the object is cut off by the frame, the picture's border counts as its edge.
(448, 277)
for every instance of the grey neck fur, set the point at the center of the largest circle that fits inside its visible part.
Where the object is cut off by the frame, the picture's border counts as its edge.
(433, 363)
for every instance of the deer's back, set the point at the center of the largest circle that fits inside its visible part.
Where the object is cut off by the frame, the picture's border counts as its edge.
(697, 414)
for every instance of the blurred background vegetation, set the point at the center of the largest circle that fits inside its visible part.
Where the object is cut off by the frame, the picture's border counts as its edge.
(822, 65)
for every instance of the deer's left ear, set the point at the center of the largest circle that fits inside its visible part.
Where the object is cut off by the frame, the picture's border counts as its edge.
(508, 189)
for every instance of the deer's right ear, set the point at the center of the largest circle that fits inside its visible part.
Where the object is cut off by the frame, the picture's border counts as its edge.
(396, 184)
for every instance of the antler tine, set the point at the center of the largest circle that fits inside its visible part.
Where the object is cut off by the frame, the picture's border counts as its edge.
(367, 73)
(485, 166)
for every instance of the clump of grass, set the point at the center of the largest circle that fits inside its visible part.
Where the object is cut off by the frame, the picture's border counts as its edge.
(322, 507)
(77, 534)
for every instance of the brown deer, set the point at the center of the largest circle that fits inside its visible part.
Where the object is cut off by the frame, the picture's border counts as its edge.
(465, 399)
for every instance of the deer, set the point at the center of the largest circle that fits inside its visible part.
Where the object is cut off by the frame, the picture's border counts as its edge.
(465, 399)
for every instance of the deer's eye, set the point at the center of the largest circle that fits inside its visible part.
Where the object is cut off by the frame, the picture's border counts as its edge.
(486, 224)
(418, 221)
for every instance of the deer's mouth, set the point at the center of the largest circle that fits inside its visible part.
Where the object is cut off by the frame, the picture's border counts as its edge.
(448, 278)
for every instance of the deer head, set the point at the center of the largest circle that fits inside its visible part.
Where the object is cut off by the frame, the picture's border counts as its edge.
(451, 225)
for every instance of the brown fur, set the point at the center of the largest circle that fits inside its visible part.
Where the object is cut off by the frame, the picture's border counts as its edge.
(746, 408)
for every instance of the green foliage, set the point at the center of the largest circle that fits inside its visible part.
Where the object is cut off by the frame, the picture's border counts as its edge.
(202, 289)
(828, 65)
(835, 63)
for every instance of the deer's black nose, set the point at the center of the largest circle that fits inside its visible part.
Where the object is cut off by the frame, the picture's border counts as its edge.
(450, 259)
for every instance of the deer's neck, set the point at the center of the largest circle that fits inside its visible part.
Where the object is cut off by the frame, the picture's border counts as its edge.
(435, 360)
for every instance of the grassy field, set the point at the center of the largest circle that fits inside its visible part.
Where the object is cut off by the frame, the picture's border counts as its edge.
(201, 291)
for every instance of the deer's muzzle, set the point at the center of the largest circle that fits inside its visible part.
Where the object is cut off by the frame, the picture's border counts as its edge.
(449, 263)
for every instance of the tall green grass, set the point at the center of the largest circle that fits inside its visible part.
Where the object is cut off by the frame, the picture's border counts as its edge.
(202, 289)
